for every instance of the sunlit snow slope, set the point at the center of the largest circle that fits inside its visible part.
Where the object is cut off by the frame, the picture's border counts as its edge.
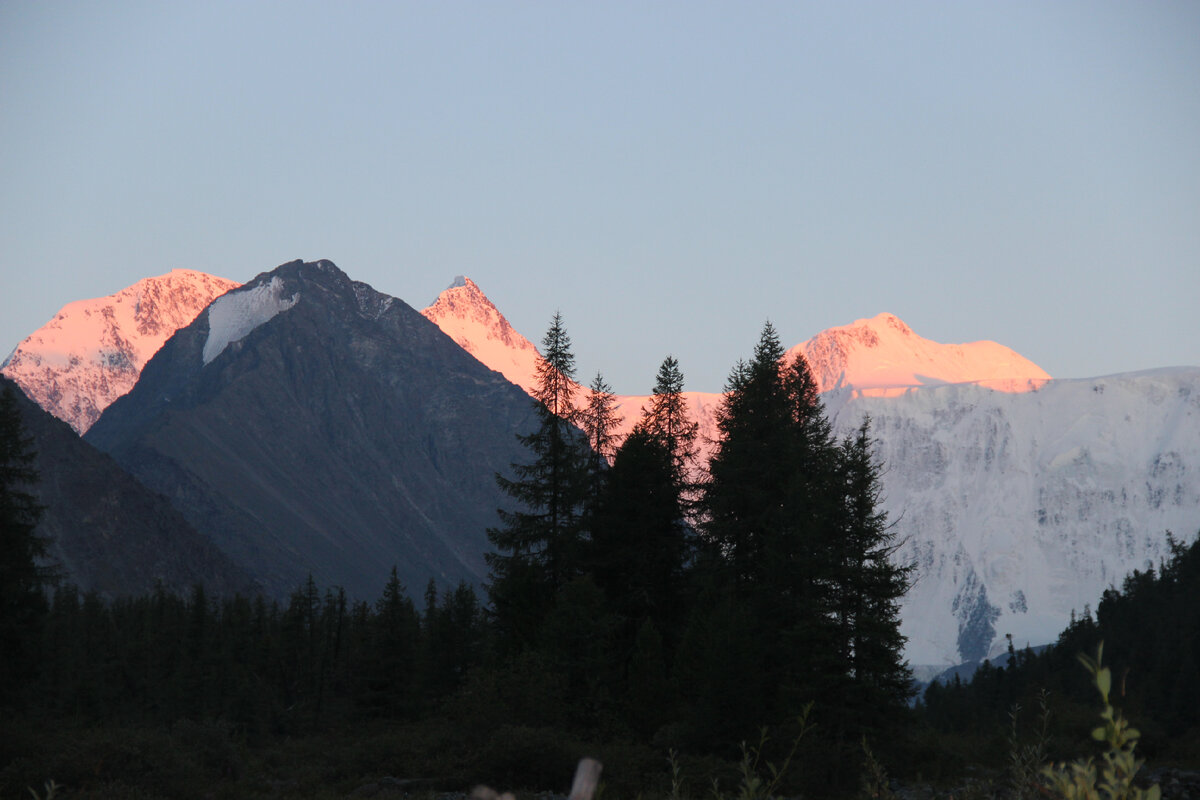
(465, 314)
(469, 318)
(93, 351)
(883, 356)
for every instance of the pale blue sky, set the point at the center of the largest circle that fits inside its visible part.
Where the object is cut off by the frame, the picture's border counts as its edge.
(667, 175)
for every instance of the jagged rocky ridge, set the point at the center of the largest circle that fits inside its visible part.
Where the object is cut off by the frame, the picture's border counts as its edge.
(310, 424)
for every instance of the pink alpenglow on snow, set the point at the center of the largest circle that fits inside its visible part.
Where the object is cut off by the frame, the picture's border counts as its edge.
(465, 314)
(883, 357)
(93, 351)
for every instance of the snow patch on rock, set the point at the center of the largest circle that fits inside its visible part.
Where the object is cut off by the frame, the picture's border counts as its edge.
(233, 316)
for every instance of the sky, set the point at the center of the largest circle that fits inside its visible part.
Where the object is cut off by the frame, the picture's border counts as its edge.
(668, 176)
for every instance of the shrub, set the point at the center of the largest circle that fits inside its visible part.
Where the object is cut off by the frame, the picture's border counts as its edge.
(1112, 778)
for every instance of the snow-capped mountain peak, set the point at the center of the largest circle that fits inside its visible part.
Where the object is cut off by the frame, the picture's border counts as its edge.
(884, 356)
(468, 317)
(93, 351)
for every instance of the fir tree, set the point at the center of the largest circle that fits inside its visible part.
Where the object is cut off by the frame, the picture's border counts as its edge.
(23, 575)
(797, 541)
(396, 643)
(599, 420)
(640, 544)
(871, 586)
(538, 545)
(666, 417)
(763, 472)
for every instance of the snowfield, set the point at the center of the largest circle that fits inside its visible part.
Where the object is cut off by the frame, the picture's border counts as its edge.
(233, 316)
(1018, 508)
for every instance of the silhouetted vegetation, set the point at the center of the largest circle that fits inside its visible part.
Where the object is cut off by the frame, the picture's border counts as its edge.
(1151, 630)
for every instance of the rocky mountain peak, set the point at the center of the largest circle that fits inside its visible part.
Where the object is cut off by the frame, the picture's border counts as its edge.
(312, 425)
(93, 351)
(466, 315)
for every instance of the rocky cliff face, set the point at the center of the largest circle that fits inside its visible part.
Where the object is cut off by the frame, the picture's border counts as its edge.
(109, 533)
(1017, 508)
(313, 425)
(93, 351)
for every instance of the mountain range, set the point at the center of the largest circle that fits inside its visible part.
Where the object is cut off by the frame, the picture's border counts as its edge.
(312, 425)
(1018, 497)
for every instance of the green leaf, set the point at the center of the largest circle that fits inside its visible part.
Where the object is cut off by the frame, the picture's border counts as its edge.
(1099, 734)
(1104, 682)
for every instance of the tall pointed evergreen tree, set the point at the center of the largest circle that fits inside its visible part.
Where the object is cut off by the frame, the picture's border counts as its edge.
(750, 468)
(538, 544)
(23, 576)
(798, 542)
(666, 417)
(396, 642)
(599, 419)
(869, 587)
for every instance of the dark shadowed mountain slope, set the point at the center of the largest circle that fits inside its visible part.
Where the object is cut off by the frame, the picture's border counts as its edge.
(108, 532)
(310, 424)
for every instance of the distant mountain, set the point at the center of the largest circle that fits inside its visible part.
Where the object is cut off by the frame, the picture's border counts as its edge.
(92, 352)
(1017, 497)
(310, 424)
(466, 315)
(109, 533)
(882, 356)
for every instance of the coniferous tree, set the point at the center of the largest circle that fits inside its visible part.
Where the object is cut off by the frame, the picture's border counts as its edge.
(768, 495)
(454, 638)
(538, 546)
(797, 543)
(396, 641)
(666, 417)
(640, 543)
(869, 587)
(23, 578)
(599, 420)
